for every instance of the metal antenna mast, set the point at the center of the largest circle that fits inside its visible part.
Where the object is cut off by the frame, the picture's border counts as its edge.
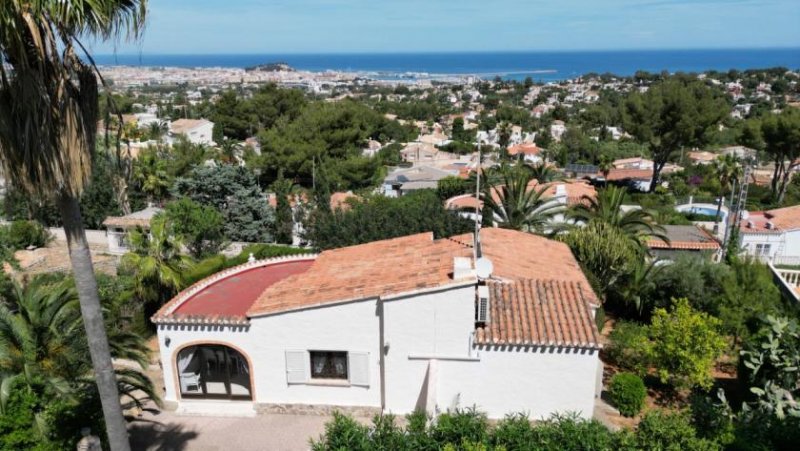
(478, 221)
(738, 206)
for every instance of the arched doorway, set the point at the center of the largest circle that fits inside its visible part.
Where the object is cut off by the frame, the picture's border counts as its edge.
(213, 371)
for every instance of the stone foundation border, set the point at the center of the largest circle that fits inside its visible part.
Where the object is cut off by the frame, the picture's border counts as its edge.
(315, 409)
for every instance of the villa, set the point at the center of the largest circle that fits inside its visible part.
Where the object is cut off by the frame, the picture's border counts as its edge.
(197, 131)
(391, 326)
(685, 240)
(529, 152)
(405, 180)
(772, 235)
(119, 227)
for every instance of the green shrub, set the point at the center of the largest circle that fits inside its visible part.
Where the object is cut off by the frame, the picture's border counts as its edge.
(712, 419)
(469, 430)
(572, 433)
(386, 434)
(21, 234)
(700, 217)
(264, 251)
(343, 432)
(455, 427)
(514, 432)
(627, 393)
(661, 430)
(600, 318)
(627, 347)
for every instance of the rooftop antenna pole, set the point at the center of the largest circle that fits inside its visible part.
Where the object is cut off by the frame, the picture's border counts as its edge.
(477, 244)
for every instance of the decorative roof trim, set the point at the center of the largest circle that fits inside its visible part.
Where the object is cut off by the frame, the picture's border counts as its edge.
(166, 313)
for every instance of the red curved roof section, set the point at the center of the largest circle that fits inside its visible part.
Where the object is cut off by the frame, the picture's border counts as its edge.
(233, 295)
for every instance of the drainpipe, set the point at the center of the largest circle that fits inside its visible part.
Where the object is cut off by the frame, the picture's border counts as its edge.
(382, 353)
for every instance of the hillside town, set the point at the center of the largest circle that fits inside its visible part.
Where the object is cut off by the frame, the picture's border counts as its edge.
(277, 258)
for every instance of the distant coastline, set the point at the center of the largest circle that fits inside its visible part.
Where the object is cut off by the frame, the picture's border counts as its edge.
(540, 65)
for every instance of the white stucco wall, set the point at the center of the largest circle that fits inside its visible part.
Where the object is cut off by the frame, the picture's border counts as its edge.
(114, 238)
(435, 326)
(535, 381)
(202, 134)
(792, 247)
(345, 327)
(775, 240)
(531, 380)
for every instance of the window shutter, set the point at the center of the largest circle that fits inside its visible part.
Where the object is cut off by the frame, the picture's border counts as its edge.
(296, 367)
(358, 365)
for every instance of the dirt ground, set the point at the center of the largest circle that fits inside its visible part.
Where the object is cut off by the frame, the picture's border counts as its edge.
(55, 258)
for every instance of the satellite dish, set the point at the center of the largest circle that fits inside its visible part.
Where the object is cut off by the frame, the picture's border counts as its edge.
(484, 268)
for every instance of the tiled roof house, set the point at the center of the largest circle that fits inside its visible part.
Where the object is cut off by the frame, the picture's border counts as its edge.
(390, 326)
(772, 235)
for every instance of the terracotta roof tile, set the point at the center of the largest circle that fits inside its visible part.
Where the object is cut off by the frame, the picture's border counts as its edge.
(525, 149)
(411, 263)
(374, 269)
(539, 312)
(785, 218)
(629, 174)
(768, 221)
(518, 255)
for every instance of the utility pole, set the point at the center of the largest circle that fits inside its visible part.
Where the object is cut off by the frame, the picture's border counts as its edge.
(478, 221)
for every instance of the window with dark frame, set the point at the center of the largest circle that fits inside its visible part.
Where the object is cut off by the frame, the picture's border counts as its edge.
(328, 365)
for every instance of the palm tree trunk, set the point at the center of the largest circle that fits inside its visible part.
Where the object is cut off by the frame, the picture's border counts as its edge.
(719, 204)
(92, 314)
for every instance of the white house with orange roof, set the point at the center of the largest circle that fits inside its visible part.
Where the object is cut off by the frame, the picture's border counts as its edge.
(391, 326)
(563, 193)
(197, 131)
(772, 235)
(529, 152)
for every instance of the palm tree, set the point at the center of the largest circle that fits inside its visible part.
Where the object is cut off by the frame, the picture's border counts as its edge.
(503, 139)
(636, 223)
(229, 150)
(605, 166)
(43, 348)
(637, 283)
(158, 129)
(156, 262)
(727, 169)
(48, 119)
(543, 173)
(150, 172)
(513, 204)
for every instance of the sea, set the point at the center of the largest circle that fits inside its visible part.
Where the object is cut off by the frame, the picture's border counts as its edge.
(542, 66)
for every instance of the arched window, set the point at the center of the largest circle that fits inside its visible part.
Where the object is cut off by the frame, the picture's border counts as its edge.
(213, 372)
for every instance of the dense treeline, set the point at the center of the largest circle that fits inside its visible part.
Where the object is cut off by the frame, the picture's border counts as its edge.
(377, 217)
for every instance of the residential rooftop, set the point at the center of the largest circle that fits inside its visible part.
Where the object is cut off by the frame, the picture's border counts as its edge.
(685, 237)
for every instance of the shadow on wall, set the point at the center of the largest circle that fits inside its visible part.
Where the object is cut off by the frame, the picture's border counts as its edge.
(155, 436)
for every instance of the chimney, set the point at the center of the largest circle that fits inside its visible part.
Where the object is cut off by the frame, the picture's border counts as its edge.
(770, 225)
(462, 268)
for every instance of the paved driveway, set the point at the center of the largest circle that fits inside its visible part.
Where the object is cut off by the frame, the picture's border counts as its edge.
(161, 431)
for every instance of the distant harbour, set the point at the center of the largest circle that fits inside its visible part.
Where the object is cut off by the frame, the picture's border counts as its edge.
(540, 65)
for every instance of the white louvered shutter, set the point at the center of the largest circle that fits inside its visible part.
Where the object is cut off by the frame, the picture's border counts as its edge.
(358, 366)
(297, 367)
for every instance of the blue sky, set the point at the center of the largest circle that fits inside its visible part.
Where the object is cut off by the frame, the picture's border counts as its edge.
(341, 26)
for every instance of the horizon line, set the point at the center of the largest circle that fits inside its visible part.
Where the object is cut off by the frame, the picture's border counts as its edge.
(438, 52)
